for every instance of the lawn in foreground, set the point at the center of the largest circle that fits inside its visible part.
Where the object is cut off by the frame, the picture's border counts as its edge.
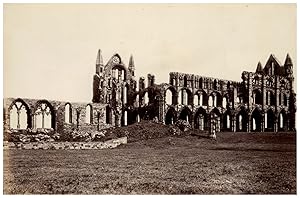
(237, 163)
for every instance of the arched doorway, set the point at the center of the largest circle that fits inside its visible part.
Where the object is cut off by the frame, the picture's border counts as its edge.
(227, 121)
(269, 121)
(241, 121)
(170, 116)
(256, 119)
(201, 121)
(185, 114)
(282, 121)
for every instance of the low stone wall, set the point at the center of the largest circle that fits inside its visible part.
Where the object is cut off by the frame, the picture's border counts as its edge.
(66, 145)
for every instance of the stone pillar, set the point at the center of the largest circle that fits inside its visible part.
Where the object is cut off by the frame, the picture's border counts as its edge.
(249, 124)
(212, 128)
(160, 108)
(263, 123)
(233, 124)
(277, 92)
(33, 121)
(287, 124)
(6, 120)
(264, 95)
(192, 122)
(234, 97)
(184, 97)
(179, 98)
(276, 125)
(118, 120)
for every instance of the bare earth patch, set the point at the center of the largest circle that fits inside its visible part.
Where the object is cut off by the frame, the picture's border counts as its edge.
(237, 163)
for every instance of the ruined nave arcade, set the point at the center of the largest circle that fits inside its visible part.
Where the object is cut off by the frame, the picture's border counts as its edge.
(264, 100)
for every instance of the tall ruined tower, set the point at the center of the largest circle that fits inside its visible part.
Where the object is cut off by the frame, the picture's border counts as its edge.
(288, 67)
(98, 82)
(114, 84)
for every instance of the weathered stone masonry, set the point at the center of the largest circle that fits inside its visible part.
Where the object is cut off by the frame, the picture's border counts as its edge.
(44, 114)
(264, 100)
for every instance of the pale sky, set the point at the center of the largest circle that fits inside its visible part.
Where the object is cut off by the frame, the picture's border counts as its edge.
(50, 50)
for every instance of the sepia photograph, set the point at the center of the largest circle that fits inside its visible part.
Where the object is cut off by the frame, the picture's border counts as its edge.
(149, 99)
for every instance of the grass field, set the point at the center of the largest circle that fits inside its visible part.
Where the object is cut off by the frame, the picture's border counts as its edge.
(237, 163)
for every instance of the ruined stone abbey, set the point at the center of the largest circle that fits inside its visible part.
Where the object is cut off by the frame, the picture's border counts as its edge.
(262, 101)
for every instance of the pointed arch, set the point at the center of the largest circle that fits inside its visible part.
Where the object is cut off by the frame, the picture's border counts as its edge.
(196, 99)
(19, 115)
(170, 94)
(185, 81)
(201, 120)
(241, 120)
(44, 116)
(282, 121)
(257, 97)
(185, 114)
(215, 120)
(215, 85)
(170, 117)
(185, 97)
(224, 102)
(256, 120)
(269, 120)
(68, 113)
(227, 117)
(210, 101)
(88, 114)
(201, 83)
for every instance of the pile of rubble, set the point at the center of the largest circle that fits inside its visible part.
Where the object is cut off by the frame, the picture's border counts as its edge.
(84, 136)
(151, 129)
(29, 135)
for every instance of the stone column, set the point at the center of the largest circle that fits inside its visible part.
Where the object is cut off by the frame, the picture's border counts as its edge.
(263, 123)
(212, 130)
(33, 122)
(264, 97)
(118, 120)
(6, 120)
(160, 109)
(276, 125)
(233, 124)
(234, 104)
(287, 124)
(249, 124)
